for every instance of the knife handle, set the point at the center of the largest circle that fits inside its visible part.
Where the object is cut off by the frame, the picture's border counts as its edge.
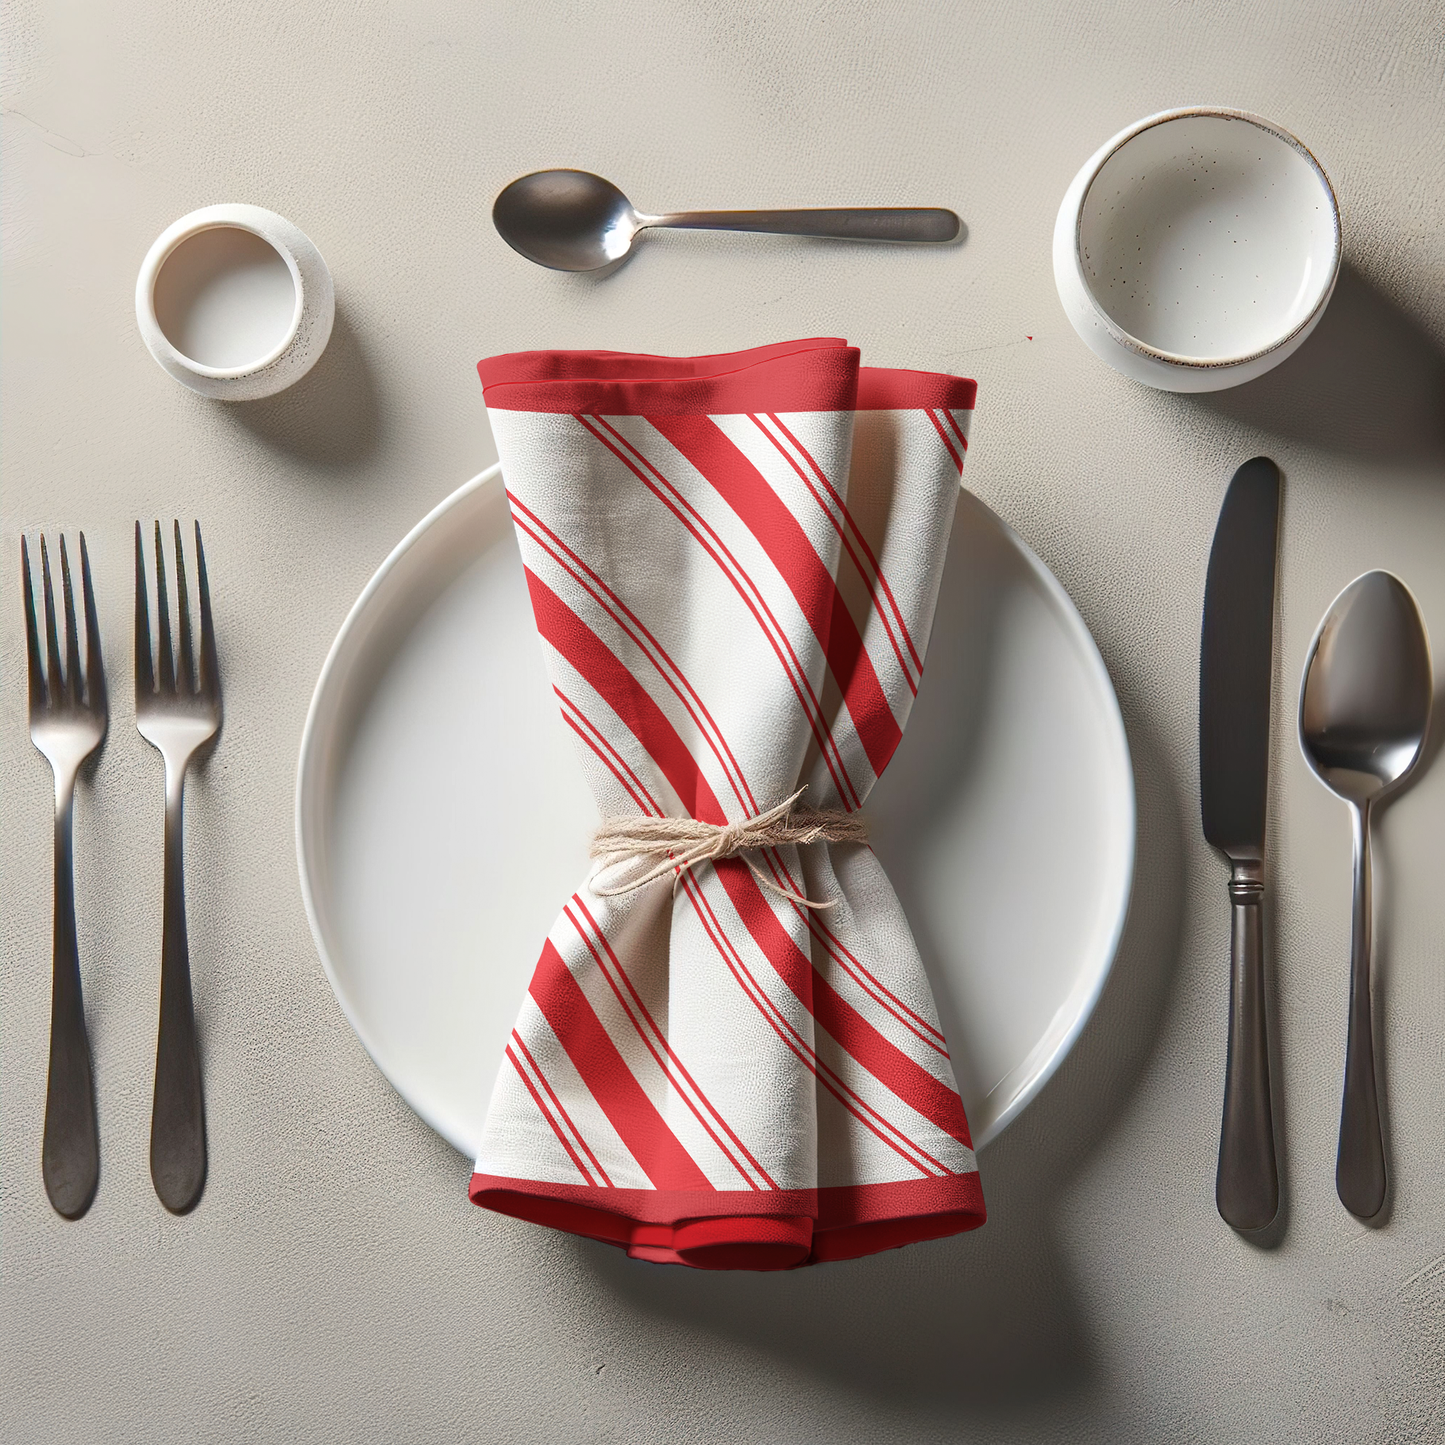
(1246, 1189)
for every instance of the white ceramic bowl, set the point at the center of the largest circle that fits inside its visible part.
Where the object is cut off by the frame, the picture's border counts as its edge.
(235, 302)
(1197, 249)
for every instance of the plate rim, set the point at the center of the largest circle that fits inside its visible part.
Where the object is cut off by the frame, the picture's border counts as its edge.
(1073, 620)
(335, 661)
(333, 671)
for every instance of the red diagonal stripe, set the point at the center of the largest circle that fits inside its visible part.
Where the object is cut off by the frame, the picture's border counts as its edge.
(622, 692)
(838, 519)
(596, 1058)
(858, 534)
(782, 537)
(879, 1055)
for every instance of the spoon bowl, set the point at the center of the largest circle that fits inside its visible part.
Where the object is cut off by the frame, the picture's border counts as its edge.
(1363, 717)
(575, 221)
(566, 220)
(1365, 703)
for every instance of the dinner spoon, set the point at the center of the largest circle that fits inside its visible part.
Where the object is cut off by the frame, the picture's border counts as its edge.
(575, 221)
(1363, 716)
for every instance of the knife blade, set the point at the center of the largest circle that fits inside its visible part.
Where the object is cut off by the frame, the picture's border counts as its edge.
(1236, 676)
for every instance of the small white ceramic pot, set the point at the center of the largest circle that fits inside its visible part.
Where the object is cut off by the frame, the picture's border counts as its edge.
(235, 302)
(1197, 249)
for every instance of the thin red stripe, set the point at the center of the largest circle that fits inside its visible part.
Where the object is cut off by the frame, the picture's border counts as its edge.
(597, 741)
(792, 668)
(596, 1058)
(957, 430)
(854, 1102)
(900, 1013)
(546, 1114)
(943, 437)
(862, 542)
(560, 1107)
(606, 763)
(788, 546)
(879, 991)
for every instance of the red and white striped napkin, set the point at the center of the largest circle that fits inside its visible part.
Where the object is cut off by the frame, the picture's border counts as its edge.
(733, 563)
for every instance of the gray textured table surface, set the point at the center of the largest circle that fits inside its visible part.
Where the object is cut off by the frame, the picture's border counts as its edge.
(335, 1284)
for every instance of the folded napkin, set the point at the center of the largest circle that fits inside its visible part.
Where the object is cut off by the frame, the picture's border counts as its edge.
(733, 563)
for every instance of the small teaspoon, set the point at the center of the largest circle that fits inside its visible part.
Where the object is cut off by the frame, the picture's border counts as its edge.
(1363, 716)
(575, 221)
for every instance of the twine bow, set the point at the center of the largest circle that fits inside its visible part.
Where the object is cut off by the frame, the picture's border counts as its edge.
(680, 844)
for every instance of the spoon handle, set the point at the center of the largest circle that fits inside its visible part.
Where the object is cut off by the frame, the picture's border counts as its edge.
(1246, 1188)
(869, 223)
(1360, 1168)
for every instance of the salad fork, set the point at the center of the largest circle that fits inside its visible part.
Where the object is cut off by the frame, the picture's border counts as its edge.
(67, 722)
(178, 710)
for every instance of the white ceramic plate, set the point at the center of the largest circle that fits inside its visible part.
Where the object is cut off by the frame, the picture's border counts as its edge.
(431, 876)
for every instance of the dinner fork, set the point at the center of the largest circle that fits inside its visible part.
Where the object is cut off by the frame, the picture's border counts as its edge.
(177, 710)
(67, 722)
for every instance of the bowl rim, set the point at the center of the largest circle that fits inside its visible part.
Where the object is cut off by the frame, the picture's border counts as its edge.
(220, 218)
(1173, 358)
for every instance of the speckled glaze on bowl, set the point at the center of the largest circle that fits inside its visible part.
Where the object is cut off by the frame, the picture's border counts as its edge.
(299, 347)
(1197, 249)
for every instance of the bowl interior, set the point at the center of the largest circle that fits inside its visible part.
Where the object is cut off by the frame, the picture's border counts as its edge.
(225, 298)
(1208, 237)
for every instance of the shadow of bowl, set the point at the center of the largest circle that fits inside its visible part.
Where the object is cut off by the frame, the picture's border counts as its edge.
(1370, 382)
(331, 418)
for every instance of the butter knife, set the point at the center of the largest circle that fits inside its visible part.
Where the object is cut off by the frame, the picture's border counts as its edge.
(1236, 672)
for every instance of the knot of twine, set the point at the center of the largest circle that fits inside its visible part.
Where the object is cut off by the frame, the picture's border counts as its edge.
(680, 844)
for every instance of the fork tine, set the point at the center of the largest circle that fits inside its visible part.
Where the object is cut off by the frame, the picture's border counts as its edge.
(52, 642)
(210, 673)
(167, 667)
(32, 636)
(94, 668)
(73, 680)
(145, 679)
(185, 666)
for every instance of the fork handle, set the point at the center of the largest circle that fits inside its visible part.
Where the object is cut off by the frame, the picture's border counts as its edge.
(70, 1153)
(178, 1121)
